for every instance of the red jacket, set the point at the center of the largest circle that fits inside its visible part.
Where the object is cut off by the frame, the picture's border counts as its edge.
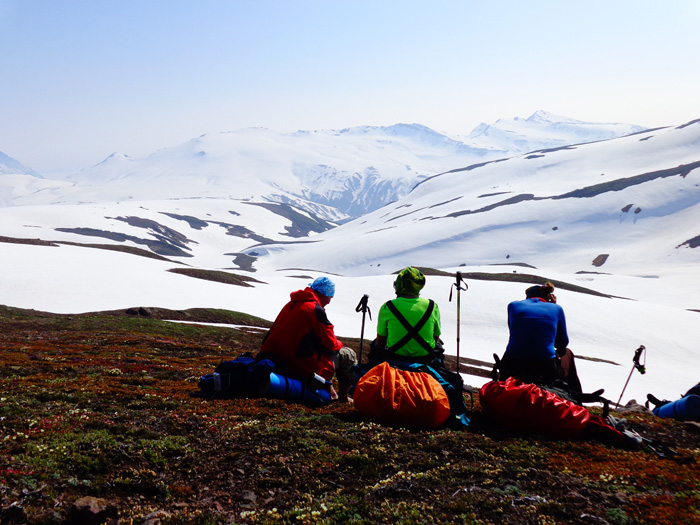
(301, 341)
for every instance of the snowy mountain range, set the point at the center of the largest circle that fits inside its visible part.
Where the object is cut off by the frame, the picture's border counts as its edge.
(616, 219)
(256, 186)
(334, 174)
(586, 207)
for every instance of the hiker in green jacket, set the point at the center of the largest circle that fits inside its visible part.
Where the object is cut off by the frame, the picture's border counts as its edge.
(408, 334)
(408, 327)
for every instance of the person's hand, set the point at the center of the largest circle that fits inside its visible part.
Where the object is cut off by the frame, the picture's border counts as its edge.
(552, 298)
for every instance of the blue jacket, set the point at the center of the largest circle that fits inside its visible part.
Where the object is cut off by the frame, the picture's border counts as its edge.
(537, 330)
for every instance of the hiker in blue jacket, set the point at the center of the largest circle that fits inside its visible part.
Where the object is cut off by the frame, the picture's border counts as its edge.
(686, 408)
(537, 349)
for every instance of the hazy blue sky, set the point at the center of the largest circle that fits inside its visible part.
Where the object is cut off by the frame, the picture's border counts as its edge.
(82, 79)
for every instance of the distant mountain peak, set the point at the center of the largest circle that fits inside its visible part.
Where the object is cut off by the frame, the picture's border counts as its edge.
(543, 130)
(545, 117)
(394, 129)
(114, 157)
(8, 166)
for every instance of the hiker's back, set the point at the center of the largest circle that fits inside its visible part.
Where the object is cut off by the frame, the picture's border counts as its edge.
(412, 309)
(533, 329)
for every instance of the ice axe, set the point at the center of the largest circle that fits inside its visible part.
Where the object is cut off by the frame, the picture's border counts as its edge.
(636, 364)
(362, 307)
(458, 284)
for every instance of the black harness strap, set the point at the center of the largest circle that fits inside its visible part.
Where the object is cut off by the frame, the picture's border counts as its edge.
(412, 331)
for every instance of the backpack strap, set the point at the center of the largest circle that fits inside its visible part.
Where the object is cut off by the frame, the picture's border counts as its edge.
(411, 331)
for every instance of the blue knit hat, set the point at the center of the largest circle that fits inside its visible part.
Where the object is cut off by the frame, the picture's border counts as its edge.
(323, 285)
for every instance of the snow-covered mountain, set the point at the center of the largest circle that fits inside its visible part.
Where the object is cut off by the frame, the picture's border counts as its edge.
(314, 179)
(335, 174)
(589, 207)
(9, 166)
(543, 130)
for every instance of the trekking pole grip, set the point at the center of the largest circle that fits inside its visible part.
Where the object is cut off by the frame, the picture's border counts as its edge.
(641, 367)
(362, 307)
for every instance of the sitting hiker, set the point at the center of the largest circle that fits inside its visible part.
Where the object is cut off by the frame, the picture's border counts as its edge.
(694, 391)
(408, 327)
(408, 338)
(301, 341)
(537, 348)
(686, 408)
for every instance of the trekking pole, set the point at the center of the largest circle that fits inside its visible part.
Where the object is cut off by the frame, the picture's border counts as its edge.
(636, 364)
(362, 307)
(458, 283)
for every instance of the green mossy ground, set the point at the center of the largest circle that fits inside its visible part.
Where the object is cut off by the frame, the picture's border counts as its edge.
(100, 405)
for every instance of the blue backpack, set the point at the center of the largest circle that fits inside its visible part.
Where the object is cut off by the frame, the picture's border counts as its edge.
(240, 377)
(246, 377)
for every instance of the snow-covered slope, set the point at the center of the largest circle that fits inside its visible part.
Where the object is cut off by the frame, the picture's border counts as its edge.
(16, 188)
(209, 233)
(592, 207)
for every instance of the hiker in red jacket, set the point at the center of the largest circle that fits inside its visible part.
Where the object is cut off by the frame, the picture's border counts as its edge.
(301, 341)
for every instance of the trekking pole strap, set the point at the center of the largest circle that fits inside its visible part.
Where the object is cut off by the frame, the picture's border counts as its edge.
(459, 281)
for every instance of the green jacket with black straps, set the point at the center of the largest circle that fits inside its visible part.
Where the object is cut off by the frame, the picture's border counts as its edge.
(416, 312)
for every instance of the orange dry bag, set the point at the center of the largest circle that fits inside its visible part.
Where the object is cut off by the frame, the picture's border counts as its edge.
(402, 398)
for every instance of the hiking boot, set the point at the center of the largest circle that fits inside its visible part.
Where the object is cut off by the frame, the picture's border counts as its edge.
(656, 401)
